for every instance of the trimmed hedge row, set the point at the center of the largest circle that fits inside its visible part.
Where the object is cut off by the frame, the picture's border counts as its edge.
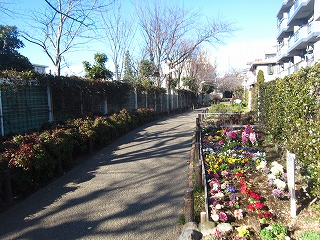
(34, 159)
(290, 111)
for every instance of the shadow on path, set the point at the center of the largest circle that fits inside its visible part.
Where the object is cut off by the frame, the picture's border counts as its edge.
(133, 187)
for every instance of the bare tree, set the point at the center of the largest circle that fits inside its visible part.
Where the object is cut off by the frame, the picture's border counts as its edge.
(172, 33)
(161, 27)
(200, 71)
(119, 33)
(6, 8)
(61, 26)
(231, 81)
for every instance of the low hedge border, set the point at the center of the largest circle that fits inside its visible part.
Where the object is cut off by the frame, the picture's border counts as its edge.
(35, 159)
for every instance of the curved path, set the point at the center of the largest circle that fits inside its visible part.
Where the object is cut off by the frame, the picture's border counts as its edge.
(132, 189)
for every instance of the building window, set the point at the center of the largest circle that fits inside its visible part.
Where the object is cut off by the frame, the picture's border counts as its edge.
(270, 69)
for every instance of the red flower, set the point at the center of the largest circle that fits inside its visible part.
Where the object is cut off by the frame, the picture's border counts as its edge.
(239, 174)
(266, 214)
(254, 195)
(258, 205)
(251, 207)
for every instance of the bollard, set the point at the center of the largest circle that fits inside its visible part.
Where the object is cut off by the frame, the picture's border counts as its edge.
(189, 205)
(6, 187)
(203, 217)
(198, 173)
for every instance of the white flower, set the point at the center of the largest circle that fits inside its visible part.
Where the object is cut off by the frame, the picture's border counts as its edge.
(224, 185)
(271, 177)
(219, 206)
(219, 195)
(215, 217)
(276, 169)
(279, 184)
(215, 187)
(262, 165)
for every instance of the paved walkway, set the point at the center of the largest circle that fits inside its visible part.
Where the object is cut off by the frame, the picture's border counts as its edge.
(132, 189)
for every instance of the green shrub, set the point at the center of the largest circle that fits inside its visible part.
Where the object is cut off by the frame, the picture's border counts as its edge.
(309, 235)
(274, 232)
(290, 111)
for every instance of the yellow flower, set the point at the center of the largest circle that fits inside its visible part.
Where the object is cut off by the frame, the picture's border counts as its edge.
(218, 137)
(243, 231)
(231, 160)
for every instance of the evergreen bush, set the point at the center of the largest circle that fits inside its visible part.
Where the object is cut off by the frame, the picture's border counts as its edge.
(290, 111)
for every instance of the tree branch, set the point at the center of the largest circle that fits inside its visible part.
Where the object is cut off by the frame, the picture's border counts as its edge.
(74, 19)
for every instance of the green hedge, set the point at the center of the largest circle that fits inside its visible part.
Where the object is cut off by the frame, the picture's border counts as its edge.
(34, 159)
(290, 111)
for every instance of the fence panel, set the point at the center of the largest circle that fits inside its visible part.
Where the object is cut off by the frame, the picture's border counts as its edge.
(24, 109)
(130, 103)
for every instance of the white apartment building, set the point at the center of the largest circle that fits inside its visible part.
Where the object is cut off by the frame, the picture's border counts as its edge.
(298, 35)
(39, 68)
(267, 64)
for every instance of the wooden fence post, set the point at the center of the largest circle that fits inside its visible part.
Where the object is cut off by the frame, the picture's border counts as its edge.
(198, 175)
(189, 205)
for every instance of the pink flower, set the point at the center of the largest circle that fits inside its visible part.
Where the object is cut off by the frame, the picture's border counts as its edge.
(224, 173)
(223, 217)
(238, 214)
(251, 206)
(233, 135)
(231, 203)
(248, 129)
(252, 137)
(244, 137)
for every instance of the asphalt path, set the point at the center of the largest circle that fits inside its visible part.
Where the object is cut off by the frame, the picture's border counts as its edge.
(131, 189)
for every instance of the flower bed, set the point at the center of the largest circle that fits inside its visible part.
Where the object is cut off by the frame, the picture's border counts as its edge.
(234, 163)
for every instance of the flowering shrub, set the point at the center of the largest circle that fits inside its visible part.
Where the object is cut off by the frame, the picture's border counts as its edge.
(28, 161)
(32, 159)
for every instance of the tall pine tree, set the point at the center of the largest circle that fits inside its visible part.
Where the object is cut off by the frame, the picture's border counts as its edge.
(128, 73)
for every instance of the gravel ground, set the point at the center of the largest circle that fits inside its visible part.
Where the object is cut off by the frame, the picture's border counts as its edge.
(132, 189)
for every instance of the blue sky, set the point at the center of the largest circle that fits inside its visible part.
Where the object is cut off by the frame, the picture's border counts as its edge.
(255, 18)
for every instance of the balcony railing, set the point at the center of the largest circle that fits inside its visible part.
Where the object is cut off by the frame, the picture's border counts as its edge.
(301, 33)
(295, 67)
(282, 49)
(295, 6)
(282, 24)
